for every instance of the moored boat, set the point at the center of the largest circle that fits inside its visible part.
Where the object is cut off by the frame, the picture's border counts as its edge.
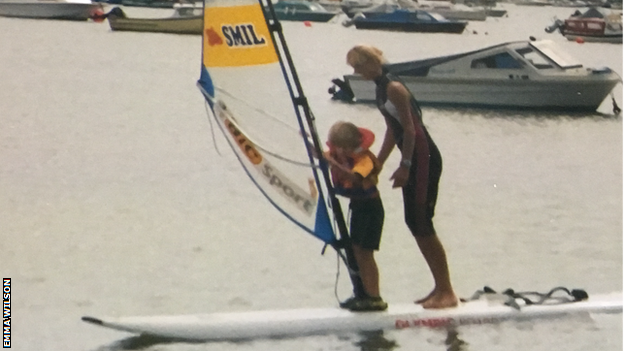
(408, 21)
(185, 20)
(517, 75)
(353, 6)
(51, 9)
(452, 11)
(371, 10)
(159, 4)
(445, 9)
(594, 25)
(299, 10)
(495, 12)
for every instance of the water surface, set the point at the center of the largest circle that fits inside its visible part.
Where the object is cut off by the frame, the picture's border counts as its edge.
(116, 200)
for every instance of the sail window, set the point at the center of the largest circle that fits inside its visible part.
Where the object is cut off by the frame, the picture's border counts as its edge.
(502, 60)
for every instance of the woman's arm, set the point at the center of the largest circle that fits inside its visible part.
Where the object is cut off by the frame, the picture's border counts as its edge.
(414, 139)
(400, 98)
(386, 146)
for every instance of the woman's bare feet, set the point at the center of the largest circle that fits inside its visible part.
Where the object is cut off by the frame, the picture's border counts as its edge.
(440, 300)
(419, 301)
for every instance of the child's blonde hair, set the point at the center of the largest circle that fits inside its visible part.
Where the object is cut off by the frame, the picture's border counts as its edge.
(361, 54)
(345, 135)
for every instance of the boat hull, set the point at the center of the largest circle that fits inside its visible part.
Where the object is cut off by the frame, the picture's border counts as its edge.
(490, 12)
(176, 25)
(459, 15)
(409, 21)
(148, 3)
(298, 322)
(455, 28)
(311, 16)
(51, 10)
(603, 38)
(568, 94)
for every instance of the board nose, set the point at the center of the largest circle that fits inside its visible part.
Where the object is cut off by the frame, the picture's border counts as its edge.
(92, 320)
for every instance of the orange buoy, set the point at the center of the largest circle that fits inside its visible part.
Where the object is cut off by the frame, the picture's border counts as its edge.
(307, 23)
(98, 16)
(580, 40)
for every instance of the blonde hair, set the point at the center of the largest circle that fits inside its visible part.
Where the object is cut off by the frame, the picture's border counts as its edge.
(345, 135)
(361, 54)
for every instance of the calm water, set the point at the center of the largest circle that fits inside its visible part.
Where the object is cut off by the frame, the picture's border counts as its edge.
(114, 199)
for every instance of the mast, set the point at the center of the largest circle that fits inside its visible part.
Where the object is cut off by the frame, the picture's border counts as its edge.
(300, 104)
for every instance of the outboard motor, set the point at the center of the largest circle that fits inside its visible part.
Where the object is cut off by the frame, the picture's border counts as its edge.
(349, 22)
(344, 92)
(559, 24)
(117, 12)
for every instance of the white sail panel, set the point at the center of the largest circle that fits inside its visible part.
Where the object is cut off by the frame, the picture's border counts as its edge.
(243, 81)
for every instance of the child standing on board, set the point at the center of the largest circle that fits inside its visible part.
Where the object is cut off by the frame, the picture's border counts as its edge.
(354, 172)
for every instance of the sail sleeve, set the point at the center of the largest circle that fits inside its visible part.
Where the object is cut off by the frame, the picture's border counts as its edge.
(244, 85)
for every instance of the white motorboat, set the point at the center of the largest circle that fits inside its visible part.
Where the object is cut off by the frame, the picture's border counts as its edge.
(184, 20)
(518, 75)
(74, 10)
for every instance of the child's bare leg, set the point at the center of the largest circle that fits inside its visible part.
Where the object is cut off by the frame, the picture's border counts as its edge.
(368, 270)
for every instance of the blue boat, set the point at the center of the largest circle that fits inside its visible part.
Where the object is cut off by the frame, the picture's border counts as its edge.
(409, 21)
(301, 11)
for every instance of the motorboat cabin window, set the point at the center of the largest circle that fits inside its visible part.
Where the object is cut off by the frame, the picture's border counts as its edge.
(187, 11)
(315, 6)
(422, 16)
(298, 6)
(438, 17)
(287, 6)
(502, 60)
(554, 53)
(535, 58)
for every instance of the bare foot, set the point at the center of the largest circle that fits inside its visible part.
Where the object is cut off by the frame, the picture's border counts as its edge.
(440, 300)
(419, 301)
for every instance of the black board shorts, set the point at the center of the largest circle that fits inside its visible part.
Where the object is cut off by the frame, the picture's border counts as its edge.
(367, 218)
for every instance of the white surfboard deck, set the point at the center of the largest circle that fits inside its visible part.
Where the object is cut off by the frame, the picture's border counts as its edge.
(299, 322)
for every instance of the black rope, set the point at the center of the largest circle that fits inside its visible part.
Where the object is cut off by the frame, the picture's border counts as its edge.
(534, 297)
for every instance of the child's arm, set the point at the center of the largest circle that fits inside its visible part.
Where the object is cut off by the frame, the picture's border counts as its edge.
(356, 178)
(310, 147)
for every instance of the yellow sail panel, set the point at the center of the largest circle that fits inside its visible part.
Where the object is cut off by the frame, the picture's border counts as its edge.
(237, 36)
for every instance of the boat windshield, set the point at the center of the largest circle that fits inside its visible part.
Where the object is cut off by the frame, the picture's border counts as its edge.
(535, 58)
(298, 6)
(501, 60)
(438, 17)
(316, 7)
(558, 56)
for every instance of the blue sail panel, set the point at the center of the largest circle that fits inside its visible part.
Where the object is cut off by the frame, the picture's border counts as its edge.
(205, 83)
(322, 226)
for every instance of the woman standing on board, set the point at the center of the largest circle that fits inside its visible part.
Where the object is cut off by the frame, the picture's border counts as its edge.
(420, 168)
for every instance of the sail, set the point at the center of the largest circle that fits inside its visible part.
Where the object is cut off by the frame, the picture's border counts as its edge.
(249, 93)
